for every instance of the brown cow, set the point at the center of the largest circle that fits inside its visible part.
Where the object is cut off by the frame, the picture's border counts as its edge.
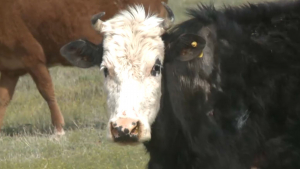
(32, 32)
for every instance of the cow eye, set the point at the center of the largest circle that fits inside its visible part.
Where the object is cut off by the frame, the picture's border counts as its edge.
(105, 71)
(156, 69)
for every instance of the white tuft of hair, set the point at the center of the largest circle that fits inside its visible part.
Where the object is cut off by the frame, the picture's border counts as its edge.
(134, 15)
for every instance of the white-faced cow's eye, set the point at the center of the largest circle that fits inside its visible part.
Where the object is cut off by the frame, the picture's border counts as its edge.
(105, 71)
(156, 69)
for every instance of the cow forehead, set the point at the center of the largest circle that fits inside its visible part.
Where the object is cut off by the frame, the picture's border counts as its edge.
(132, 52)
(134, 19)
(132, 40)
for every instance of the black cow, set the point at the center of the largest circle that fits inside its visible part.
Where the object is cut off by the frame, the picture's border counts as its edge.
(230, 90)
(232, 101)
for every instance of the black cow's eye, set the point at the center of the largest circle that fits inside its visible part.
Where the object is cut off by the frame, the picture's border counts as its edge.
(105, 71)
(156, 69)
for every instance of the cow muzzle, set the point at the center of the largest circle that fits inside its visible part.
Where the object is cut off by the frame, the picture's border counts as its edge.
(126, 130)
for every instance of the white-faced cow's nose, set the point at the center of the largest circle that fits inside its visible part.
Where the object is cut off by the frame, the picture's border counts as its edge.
(125, 130)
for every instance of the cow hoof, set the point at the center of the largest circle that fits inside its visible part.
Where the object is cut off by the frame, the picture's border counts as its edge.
(57, 136)
(59, 133)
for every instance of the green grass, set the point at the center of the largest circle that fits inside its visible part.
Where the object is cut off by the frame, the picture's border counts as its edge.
(79, 94)
(26, 142)
(84, 148)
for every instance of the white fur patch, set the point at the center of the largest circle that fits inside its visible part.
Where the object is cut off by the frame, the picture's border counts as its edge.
(132, 43)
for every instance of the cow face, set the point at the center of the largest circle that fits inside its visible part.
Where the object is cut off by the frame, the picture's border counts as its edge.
(132, 63)
(190, 69)
(133, 53)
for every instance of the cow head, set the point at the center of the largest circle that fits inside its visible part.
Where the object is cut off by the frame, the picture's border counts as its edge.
(131, 58)
(191, 73)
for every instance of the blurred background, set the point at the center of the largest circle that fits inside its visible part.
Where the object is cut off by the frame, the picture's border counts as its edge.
(80, 96)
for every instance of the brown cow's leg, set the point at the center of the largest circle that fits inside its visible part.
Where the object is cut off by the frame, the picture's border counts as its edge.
(7, 88)
(43, 81)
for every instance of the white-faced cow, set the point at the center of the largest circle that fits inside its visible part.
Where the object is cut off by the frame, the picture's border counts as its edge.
(133, 53)
(32, 32)
(229, 85)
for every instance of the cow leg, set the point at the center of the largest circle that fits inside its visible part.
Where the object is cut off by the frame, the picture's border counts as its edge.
(43, 81)
(7, 88)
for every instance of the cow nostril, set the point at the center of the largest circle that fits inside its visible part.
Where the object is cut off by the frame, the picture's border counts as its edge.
(126, 131)
(135, 130)
(120, 131)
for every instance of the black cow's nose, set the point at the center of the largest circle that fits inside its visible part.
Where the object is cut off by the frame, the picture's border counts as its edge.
(125, 130)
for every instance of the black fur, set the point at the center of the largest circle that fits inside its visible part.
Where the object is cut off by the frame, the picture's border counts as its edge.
(250, 116)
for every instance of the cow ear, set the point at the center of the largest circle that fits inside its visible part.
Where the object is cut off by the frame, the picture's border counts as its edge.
(82, 53)
(190, 46)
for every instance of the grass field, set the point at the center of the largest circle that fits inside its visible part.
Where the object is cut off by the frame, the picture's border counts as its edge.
(25, 142)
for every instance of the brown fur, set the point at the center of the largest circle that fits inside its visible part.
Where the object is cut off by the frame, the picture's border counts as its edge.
(32, 33)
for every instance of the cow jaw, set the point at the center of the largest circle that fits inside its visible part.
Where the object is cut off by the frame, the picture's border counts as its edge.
(133, 52)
